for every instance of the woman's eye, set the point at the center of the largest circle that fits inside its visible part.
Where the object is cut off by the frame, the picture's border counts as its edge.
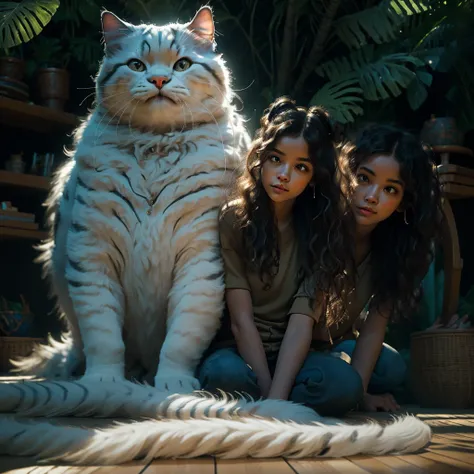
(302, 167)
(136, 65)
(274, 159)
(362, 178)
(182, 64)
(391, 190)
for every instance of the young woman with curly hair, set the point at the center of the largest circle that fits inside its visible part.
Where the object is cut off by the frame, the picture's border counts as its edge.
(395, 201)
(283, 223)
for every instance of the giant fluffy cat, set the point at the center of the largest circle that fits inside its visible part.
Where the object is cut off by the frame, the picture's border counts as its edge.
(135, 249)
(134, 257)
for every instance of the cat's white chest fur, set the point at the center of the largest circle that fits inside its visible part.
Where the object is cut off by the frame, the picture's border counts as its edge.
(152, 204)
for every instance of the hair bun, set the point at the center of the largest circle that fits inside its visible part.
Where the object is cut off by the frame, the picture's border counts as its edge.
(280, 106)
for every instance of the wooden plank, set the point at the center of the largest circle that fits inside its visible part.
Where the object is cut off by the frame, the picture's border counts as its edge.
(17, 465)
(456, 179)
(457, 191)
(430, 465)
(453, 446)
(448, 461)
(370, 464)
(396, 464)
(23, 180)
(311, 466)
(252, 466)
(204, 465)
(33, 117)
(455, 169)
(345, 466)
(9, 232)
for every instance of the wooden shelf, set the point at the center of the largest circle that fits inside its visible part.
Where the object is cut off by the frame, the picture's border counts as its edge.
(22, 180)
(35, 117)
(11, 232)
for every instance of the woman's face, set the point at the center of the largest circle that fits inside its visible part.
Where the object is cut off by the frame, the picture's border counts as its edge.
(379, 190)
(287, 169)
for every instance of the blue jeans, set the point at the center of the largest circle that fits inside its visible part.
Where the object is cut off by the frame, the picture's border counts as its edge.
(325, 382)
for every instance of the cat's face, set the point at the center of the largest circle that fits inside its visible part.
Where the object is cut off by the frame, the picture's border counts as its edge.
(162, 78)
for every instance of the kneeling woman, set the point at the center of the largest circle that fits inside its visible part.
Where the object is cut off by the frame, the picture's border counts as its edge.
(396, 207)
(283, 222)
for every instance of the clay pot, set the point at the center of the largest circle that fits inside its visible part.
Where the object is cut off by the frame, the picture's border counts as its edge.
(11, 67)
(53, 87)
(438, 131)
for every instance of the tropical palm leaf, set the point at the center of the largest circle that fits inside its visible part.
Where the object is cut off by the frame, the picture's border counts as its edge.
(417, 89)
(341, 99)
(380, 23)
(22, 21)
(380, 77)
(410, 7)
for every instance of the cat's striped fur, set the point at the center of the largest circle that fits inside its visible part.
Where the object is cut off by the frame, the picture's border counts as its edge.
(226, 438)
(132, 400)
(134, 253)
(230, 428)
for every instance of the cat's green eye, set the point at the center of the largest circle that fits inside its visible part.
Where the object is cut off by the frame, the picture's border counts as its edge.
(182, 64)
(136, 65)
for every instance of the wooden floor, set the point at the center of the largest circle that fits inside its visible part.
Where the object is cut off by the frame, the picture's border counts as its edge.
(451, 452)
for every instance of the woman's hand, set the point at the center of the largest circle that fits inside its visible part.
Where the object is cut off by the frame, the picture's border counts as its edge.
(454, 323)
(385, 402)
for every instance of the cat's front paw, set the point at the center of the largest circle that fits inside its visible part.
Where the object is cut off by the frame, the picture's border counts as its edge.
(176, 383)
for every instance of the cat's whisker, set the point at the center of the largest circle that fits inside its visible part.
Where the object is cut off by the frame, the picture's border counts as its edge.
(86, 97)
(100, 131)
(100, 103)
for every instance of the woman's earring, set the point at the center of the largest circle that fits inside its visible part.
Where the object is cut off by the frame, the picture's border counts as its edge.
(314, 192)
(405, 217)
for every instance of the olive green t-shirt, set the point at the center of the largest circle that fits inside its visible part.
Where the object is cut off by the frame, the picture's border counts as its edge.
(271, 307)
(323, 336)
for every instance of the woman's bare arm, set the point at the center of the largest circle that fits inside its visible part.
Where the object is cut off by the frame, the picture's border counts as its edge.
(367, 350)
(293, 352)
(249, 342)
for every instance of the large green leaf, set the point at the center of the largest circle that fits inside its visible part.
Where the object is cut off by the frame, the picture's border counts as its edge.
(22, 21)
(410, 7)
(379, 24)
(380, 77)
(416, 90)
(341, 99)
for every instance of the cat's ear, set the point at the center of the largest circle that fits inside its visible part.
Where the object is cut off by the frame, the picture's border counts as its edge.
(202, 24)
(114, 29)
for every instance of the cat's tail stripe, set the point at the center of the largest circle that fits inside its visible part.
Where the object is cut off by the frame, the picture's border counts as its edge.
(248, 437)
(107, 399)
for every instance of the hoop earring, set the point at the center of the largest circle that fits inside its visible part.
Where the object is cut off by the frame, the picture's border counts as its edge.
(405, 217)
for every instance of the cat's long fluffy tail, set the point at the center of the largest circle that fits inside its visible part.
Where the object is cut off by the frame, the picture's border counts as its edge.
(248, 437)
(56, 359)
(126, 399)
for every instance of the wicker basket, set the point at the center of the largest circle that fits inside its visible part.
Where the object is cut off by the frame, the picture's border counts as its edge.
(12, 347)
(443, 368)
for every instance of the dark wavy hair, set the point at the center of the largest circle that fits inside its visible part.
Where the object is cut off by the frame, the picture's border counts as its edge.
(319, 222)
(401, 251)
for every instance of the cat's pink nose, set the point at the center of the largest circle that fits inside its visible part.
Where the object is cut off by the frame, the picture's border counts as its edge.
(159, 81)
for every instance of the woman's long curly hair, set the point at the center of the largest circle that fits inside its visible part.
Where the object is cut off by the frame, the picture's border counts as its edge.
(402, 246)
(319, 223)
